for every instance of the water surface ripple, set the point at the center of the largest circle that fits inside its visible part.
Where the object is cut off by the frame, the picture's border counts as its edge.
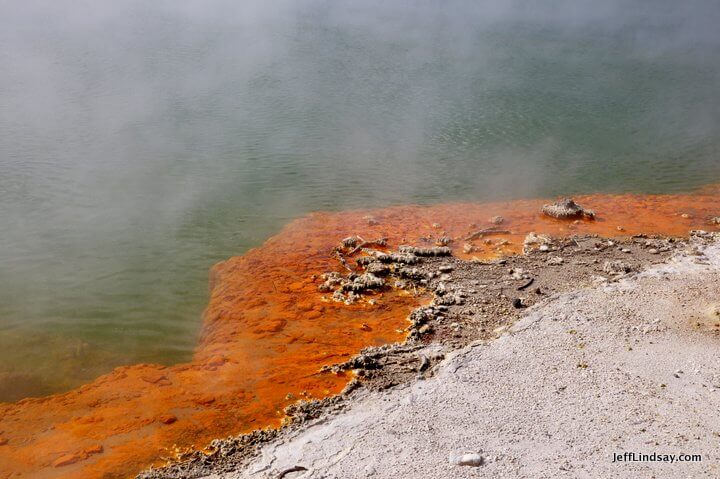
(142, 142)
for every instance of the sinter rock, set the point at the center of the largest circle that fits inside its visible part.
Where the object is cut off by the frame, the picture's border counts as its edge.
(436, 251)
(566, 209)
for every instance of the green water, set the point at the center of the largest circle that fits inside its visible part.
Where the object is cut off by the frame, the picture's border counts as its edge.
(141, 142)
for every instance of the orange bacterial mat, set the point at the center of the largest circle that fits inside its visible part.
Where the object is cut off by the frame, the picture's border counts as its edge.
(268, 330)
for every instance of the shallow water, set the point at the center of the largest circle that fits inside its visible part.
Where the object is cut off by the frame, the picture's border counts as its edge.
(141, 142)
(268, 331)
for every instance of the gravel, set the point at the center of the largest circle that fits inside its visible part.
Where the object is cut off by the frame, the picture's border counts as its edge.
(625, 366)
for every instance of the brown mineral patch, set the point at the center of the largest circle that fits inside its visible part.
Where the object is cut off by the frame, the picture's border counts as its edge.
(153, 378)
(274, 331)
(167, 419)
(205, 400)
(96, 449)
(216, 361)
(67, 459)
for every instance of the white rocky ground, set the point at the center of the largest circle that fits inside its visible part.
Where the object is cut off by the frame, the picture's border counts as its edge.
(631, 366)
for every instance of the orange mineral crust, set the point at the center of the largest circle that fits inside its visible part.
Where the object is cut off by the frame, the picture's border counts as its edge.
(268, 330)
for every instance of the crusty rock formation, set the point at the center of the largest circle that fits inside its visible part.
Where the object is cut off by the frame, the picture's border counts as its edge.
(566, 209)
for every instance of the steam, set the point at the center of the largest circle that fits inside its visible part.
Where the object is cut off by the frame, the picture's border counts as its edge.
(141, 141)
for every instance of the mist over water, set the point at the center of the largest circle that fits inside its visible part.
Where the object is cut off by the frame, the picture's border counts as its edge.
(141, 142)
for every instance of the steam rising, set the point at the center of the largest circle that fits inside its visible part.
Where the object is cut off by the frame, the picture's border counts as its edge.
(142, 141)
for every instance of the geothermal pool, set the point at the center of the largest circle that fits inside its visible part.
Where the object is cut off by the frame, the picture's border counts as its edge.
(142, 143)
(268, 330)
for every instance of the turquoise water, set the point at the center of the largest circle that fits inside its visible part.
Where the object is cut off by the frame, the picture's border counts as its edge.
(141, 142)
